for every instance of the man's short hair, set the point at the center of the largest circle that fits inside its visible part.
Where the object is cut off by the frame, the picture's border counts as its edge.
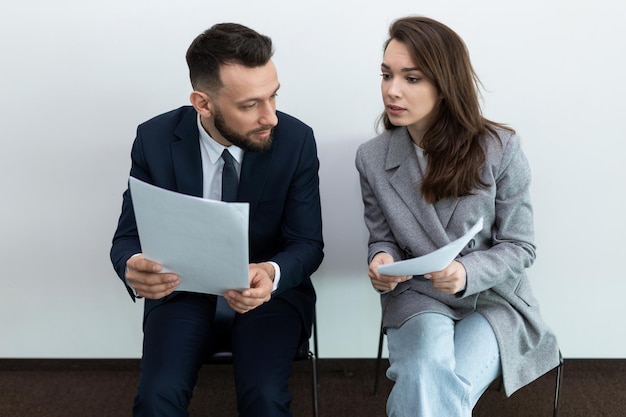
(223, 44)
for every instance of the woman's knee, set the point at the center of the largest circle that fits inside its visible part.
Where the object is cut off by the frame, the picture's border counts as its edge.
(425, 337)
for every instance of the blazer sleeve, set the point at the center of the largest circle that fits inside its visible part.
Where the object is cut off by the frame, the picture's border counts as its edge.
(381, 238)
(301, 248)
(126, 237)
(509, 248)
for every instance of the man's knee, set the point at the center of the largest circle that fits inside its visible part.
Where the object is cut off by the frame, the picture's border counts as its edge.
(263, 398)
(161, 397)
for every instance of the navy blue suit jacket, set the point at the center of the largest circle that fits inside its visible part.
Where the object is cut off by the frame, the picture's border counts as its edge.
(281, 185)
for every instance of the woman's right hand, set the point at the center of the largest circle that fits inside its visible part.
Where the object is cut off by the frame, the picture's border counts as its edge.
(383, 283)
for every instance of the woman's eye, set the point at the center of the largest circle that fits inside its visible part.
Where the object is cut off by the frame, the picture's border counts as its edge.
(385, 76)
(413, 80)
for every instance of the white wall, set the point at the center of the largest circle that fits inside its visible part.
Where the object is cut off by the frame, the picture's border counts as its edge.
(77, 77)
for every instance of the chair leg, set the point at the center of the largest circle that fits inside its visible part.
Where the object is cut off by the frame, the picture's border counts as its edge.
(378, 359)
(313, 357)
(316, 351)
(314, 382)
(557, 388)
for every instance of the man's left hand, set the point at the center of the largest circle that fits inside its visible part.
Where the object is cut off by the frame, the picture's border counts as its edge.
(261, 284)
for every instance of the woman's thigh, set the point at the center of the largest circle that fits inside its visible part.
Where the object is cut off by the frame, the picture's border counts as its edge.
(477, 353)
(434, 343)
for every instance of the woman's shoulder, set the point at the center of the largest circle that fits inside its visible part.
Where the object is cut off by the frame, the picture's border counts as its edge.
(378, 140)
(500, 141)
(504, 151)
(502, 134)
(380, 143)
(372, 147)
(372, 152)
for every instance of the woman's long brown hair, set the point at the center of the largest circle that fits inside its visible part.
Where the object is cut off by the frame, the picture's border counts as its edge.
(453, 143)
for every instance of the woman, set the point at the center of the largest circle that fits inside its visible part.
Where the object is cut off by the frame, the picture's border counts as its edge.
(439, 167)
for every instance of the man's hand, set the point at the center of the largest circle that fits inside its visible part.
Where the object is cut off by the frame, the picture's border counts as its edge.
(261, 284)
(146, 278)
(383, 283)
(449, 280)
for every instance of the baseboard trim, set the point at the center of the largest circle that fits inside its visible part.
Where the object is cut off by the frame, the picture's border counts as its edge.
(68, 364)
(132, 364)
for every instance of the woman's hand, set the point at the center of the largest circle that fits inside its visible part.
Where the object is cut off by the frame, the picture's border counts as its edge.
(383, 283)
(450, 280)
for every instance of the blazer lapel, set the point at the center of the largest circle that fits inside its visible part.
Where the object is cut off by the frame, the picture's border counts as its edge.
(186, 158)
(445, 208)
(254, 170)
(187, 163)
(407, 180)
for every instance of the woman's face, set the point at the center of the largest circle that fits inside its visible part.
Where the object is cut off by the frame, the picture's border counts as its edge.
(410, 98)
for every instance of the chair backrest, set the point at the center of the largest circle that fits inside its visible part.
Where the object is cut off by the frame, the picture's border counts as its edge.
(303, 352)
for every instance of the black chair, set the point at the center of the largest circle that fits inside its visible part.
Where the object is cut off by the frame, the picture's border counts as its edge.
(557, 388)
(222, 353)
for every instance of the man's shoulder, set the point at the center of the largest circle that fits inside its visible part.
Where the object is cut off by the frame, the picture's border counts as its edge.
(170, 118)
(286, 122)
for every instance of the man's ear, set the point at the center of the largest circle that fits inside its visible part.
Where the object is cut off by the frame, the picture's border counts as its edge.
(202, 102)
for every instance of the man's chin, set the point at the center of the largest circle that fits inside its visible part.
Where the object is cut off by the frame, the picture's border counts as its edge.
(262, 145)
(260, 141)
(253, 142)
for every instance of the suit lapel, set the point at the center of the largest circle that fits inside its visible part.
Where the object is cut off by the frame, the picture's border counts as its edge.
(407, 180)
(254, 171)
(186, 158)
(187, 163)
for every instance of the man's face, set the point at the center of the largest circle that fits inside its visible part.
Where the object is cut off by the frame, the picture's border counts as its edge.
(244, 109)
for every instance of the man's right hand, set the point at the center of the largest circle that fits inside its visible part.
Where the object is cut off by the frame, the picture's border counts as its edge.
(146, 278)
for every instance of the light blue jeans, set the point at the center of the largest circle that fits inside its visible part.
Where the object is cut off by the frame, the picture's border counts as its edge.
(440, 366)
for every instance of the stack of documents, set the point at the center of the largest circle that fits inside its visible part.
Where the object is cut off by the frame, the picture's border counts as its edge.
(205, 242)
(434, 261)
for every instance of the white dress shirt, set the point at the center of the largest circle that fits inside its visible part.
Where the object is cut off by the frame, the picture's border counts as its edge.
(212, 164)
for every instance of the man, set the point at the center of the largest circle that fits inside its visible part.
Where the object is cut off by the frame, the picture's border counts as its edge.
(233, 108)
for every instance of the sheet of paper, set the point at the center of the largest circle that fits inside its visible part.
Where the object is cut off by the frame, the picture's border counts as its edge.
(434, 261)
(205, 242)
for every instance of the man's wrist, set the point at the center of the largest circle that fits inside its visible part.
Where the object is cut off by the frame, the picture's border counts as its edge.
(270, 268)
(274, 274)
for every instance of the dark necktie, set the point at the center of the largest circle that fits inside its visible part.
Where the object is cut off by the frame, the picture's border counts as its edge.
(224, 315)
(229, 178)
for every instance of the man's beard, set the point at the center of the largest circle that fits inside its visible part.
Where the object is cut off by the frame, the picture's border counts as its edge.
(244, 142)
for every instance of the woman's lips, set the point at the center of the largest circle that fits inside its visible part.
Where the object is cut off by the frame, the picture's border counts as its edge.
(395, 110)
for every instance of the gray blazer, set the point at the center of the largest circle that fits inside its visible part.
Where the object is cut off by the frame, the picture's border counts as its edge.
(402, 224)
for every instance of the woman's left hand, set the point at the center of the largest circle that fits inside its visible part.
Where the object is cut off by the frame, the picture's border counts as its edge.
(450, 280)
